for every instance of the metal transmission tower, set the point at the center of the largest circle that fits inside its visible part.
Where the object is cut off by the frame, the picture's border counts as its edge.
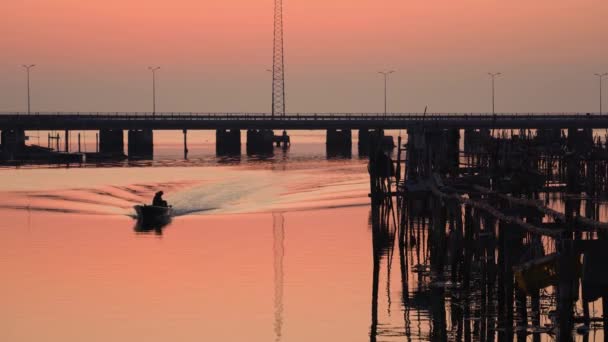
(278, 71)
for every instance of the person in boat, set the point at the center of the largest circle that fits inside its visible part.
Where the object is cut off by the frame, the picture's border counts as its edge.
(158, 200)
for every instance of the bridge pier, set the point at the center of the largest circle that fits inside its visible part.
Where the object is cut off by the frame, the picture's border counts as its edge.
(443, 149)
(227, 142)
(433, 150)
(141, 144)
(415, 154)
(476, 139)
(339, 143)
(548, 136)
(12, 142)
(368, 138)
(67, 141)
(260, 141)
(580, 139)
(111, 142)
(282, 139)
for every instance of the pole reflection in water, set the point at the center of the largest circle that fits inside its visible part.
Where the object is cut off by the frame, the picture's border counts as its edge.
(279, 252)
(493, 241)
(467, 276)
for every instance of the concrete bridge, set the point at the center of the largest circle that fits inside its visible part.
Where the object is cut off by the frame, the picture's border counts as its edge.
(304, 121)
(260, 126)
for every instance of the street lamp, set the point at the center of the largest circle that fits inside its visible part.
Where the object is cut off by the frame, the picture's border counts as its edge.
(493, 76)
(601, 77)
(153, 69)
(385, 74)
(27, 71)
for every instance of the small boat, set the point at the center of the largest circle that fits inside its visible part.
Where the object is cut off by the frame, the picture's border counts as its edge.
(153, 215)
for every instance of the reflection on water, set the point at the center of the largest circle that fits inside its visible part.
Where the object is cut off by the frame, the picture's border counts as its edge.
(278, 226)
(203, 154)
(429, 272)
(157, 228)
(191, 191)
(464, 276)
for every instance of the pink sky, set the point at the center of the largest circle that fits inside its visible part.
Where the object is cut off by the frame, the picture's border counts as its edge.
(92, 55)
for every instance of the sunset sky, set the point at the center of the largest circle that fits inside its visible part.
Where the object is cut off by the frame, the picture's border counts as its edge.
(93, 55)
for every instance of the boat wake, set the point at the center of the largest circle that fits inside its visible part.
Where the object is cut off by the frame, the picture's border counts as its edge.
(240, 191)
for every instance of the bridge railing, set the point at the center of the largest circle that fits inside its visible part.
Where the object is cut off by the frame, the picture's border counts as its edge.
(291, 116)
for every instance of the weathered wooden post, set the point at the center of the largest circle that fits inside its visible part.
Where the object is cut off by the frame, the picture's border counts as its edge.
(565, 300)
(185, 131)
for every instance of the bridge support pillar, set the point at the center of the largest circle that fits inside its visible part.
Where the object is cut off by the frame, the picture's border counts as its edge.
(416, 146)
(443, 150)
(580, 140)
(227, 142)
(111, 142)
(12, 142)
(548, 136)
(339, 143)
(476, 139)
(453, 149)
(282, 139)
(367, 139)
(370, 138)
(141, 144)
(260, 141)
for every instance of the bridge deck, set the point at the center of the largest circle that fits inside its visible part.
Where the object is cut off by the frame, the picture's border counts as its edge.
(172, 121)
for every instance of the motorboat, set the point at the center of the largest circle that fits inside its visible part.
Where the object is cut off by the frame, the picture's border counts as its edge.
(149, 215)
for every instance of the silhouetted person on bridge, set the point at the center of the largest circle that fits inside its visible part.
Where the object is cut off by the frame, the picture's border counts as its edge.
(158, 200)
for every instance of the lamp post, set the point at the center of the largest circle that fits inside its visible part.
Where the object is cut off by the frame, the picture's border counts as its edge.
(601, 77)
(153, 69)
(386, 74)
(27, 71)
(493, 77)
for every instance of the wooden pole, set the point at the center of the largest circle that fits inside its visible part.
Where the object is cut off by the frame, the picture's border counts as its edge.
(185, 143)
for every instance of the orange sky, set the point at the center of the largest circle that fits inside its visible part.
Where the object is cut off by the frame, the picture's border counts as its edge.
(92, 55)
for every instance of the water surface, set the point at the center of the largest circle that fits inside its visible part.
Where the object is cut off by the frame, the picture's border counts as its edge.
(262, 248)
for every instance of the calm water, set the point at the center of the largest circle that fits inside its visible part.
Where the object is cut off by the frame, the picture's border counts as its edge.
(261, 249)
